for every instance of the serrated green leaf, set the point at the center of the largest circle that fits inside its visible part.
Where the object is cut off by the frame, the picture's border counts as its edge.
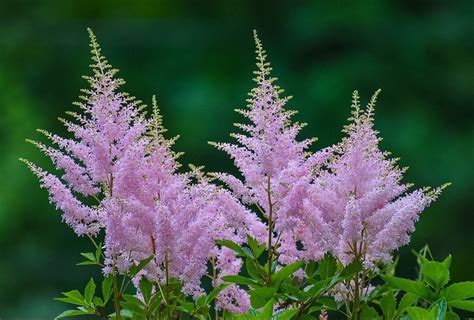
(240, 280)
(406, 301)
(292, 292)
(73, 296)
(155, 302)
(408, 285)
(70, 301)
(98, 252)
(71, 313)
(417, 313)
(252, 269)
(310, 269)
(467, 305)
(260, 296)
(232, 245)
(435, 274)
(89, 291)
(369, 313)
(328, 303)
(285, 314)
(267, 311)
(87, 263)
(327, 267)
(286, 271)
(253, 244)
(388, 305)
(440, 307)
(215, 292)
(107, 288)
(351, 269)
(450, 315)
(187, 307)
(135, 269)
(133, 307)
(146, 288)
(89, 256)
(459, 291)
(98, 301)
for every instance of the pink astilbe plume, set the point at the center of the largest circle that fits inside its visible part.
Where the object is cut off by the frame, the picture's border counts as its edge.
(161, 213)
(103, 134)
(269, 157)
(360, 208)
(121, 162)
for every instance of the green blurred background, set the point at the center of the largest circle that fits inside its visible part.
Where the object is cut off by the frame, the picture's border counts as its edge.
(197, 56)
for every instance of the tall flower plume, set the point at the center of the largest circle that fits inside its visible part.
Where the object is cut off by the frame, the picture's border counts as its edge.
(123, 162)
(360, 207)
(105, 132)
(269, 157)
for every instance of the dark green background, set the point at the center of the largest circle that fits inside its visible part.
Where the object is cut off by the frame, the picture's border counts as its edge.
(197, 56)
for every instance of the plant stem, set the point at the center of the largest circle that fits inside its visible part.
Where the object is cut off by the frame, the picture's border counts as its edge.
(167, 292)
(118, 316)
(270, 232)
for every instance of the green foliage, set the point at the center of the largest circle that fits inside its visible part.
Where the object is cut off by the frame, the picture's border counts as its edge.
(88, 303)
(435, 299)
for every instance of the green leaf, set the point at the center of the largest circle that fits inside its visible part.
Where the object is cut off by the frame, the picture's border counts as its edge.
(406, 301)
(89, 256)
(135, 269)
(240, 280)
(98, 252)
(459, 291)
(252, 269)
(447, 262)
(435, 274)
(407, 285)
(133, 304)
(450, 315)
(234, 246)
(351, 269)
(72, 297)
(292, 292)
(187, 307)
(98, 301)
(463, 304)
(87, 263)
(89, 291)
(369, 313)
(133, 307)
(328, 303)
(310, 269)
(71, 313)
(260, 296)
(146, 288)
(286, 271)
(417, 313)
(440, 307)
(107, 288)
(388, 304)
(327, 267)
(285, 314)
(215, 292)
(155, 302)
(254, 246)
(267, 310)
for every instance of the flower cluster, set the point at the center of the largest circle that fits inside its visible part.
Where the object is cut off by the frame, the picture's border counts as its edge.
(271, 159)
(121, 161)
(121, 179)
(361, 209)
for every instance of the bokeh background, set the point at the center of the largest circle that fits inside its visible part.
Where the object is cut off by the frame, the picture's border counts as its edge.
(197, 57)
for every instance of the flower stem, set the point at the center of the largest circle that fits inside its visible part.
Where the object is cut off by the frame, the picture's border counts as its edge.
(118, 316)
(270, 232)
